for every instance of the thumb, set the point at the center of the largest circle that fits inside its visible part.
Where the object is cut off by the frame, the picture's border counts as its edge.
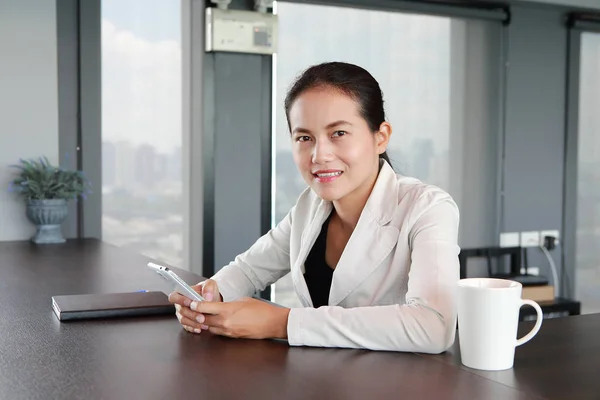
(210, 290)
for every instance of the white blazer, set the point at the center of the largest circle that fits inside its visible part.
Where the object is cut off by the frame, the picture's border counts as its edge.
(394, 287)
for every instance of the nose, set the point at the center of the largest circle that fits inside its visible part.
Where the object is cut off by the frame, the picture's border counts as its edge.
(322, 152)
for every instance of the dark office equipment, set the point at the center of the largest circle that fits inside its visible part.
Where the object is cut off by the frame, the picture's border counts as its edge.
(499, 254)
(560, 307)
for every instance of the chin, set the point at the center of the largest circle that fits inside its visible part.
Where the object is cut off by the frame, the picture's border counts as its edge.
(328, 195)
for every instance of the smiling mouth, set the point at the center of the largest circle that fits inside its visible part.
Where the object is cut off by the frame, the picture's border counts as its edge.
(327, 174)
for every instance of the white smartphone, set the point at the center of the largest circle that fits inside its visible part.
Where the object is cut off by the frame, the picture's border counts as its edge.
(180, 285)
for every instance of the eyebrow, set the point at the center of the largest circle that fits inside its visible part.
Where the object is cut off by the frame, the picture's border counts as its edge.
(328, 126)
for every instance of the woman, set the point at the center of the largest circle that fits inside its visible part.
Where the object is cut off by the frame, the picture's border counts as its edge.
(373, 255)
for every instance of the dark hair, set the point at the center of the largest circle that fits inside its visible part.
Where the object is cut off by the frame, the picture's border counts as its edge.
(349, 79)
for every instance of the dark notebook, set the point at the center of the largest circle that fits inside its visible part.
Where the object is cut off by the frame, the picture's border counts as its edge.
(109, 305)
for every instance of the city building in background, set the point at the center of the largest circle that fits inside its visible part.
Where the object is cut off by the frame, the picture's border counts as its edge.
(142, 204)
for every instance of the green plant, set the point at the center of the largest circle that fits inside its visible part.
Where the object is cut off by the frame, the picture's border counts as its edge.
(40, 180)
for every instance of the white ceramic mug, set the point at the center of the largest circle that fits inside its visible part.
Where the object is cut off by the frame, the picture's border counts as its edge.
(488, 316)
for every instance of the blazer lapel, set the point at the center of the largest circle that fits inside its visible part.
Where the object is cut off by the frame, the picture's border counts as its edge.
(365, 251)
(372, 240)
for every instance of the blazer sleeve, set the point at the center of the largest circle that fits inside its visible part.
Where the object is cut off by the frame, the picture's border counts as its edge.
(426, 323)
(261, 265)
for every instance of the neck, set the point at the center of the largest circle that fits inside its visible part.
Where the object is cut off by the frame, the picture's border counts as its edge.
(349, 208)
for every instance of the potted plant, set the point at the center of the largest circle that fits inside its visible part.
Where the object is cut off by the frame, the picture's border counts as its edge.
(47, 189)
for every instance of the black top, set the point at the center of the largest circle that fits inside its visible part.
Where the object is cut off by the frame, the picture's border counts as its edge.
(317, 273)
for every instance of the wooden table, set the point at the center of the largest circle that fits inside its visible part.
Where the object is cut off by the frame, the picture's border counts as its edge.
(153, 358)
(561, 362)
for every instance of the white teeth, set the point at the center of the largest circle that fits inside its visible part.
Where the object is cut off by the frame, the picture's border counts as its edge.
(329, 174)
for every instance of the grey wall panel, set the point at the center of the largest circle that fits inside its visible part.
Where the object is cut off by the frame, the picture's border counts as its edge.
(208, 166)
(571, 165)
(236, 151)
(237, 154)
(535, 124)
(475, 87)
(91, 113)
(68, 97)
(266, 134)
(479, 126)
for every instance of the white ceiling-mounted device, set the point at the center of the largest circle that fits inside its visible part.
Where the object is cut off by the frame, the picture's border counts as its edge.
(262, 5)
(241, 31)
(222, 4)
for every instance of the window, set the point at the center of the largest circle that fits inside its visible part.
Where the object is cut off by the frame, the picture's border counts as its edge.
(141, 127)
(440, 78)
(587, 275)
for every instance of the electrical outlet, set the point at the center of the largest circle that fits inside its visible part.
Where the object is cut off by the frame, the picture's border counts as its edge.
(530, 239)
(509, 239)
(531, 271)
(553, 233)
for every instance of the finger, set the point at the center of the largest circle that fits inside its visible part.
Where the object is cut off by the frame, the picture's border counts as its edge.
(209, 307)
(181, 318)
(191, 330)
(191, 324)
(177, 298)
(210, 290)
(194, 316)
(198, 288)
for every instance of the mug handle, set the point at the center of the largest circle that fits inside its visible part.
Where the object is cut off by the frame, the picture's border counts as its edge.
(538, 322)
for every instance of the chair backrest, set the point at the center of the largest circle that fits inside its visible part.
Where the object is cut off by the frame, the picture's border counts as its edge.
(489, 253)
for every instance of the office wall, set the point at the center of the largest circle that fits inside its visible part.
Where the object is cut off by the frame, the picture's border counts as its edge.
(237, 146)
(534, 142)
(28, 98)
(68, 96)
(236, 153)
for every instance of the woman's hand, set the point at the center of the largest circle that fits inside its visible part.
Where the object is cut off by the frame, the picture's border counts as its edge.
(191, 320)
(247, 318)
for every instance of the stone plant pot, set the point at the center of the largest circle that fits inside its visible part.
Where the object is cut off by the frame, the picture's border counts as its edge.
(47, 215)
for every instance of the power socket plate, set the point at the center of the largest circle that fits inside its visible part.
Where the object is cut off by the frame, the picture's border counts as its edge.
(531, 271)
(509, 239)
(554, 233)
(530, 239)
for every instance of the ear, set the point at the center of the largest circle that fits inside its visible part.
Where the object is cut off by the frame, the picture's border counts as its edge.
(382, 136)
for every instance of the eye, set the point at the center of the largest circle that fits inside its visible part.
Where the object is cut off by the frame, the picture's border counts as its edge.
(302, 138)
(339, 133)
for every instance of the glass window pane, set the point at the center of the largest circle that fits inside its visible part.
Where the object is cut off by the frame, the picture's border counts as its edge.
(141, 127)
(587, 275)
(440, 81)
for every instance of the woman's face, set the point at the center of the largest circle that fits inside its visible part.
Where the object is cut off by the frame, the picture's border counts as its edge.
(333, 148)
